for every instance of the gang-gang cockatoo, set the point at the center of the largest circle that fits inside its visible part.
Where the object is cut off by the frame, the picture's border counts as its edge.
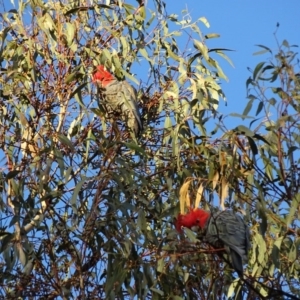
(119, 98)
(222, 229)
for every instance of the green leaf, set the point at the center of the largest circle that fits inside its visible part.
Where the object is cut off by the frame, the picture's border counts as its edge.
(65, 141)
(60, 160)
(204, 21)
(12, 174)
(286, 43)
(132, 78)
(171, 54)
(260, 52)
(233, 287)
(294, 206)
(240, 116)
(175, 146)
(6, 240)
(81, 9)
(75, 75)
(97, 112)
(257, 69)
(275, 255)
(225, 57)
(259, 137)
(212, 35)
(292, 149)
(67, 174)
(160, 265)
(252, 145)
(262, 249)
(77, 94)
(249, 81)
(161, 293)
(191, 235)
(265, 48)
(202, 48)
(141, 222)
(136, 148)
(292, 254)
(248, 108)
(244, 130)
(88, 143)
(74, 198)
(262, 215)
(70, 33)
(259, 108)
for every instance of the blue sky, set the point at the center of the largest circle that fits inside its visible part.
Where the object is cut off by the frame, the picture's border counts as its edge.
(243, 24)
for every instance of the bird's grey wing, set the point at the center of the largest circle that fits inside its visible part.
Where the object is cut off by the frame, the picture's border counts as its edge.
(127, 95)
(231, 230)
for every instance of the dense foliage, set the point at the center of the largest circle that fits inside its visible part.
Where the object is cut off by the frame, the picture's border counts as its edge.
(86, 211)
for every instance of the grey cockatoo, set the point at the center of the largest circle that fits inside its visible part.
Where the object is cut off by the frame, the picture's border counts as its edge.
(119, 98)
(221, 229)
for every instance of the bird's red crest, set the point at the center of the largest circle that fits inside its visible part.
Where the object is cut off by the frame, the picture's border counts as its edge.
(102, 76)
(196, 217)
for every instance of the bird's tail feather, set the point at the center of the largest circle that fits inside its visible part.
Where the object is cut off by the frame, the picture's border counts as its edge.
(237, 261)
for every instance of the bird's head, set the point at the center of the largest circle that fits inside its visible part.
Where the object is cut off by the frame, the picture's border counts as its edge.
(195, 217)
(102, 76)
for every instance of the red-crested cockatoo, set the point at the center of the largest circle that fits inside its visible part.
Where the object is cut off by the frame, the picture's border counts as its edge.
(221, 229)
(119, 97)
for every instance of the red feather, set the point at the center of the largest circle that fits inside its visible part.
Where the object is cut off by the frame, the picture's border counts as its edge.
(103, 76)
(197, 217)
